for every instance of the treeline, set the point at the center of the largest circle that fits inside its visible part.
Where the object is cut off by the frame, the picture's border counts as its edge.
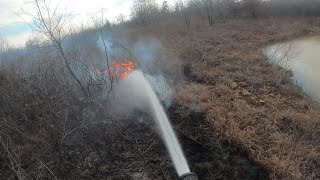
(148, 11)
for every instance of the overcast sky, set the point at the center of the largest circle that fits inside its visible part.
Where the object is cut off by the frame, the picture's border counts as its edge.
(16, 31)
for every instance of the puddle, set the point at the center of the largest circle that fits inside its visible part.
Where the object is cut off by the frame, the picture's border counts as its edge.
(302, 56)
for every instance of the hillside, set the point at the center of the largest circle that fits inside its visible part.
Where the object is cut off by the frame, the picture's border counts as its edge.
(237, 116)
(252, 106)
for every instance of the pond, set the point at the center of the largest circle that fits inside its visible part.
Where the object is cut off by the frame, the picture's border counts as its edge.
(302, 57)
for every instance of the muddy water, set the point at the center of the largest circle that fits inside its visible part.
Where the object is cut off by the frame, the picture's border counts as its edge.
(302, 56)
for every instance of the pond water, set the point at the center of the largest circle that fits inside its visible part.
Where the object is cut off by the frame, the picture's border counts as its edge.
(302, 56)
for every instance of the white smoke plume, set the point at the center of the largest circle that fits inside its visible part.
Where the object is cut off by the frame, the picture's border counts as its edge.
(151, 58)
(89, 50)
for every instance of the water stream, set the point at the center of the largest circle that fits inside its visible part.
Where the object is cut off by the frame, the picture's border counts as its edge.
(144, 97)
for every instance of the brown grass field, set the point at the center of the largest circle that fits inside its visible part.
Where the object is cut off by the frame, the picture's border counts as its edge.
(249, 103)
(237, 116)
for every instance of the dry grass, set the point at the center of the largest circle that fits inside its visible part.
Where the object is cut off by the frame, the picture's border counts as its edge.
(249, 102)
(233, 105)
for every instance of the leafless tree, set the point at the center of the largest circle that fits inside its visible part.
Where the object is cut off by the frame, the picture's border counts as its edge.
(251, 7)
(165, 7)
(209, 9)
(52, 24)
(144, 10)
(120, 19)
(181, 9)
(4, 45)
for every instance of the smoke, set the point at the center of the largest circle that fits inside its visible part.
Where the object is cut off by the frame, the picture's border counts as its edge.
(148, 51)
(126, 99)
(154, 58)
(146, 89)
(129, 95)
(163, 90)
(89, 50)
(135, 92)
(151, 58)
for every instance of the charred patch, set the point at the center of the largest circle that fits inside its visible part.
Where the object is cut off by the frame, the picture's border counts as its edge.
(191, 77)
(210, 158)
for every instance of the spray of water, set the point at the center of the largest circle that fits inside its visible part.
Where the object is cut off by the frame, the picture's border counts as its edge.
(138, 93)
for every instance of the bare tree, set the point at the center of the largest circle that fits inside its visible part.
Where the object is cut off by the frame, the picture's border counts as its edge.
(181, 10)
(103, 25)
(165, 7)
(120, 19)
(50, 23)
(3, 44)
(144, 10)
(251, 7)
(216, 10)
(209, 7)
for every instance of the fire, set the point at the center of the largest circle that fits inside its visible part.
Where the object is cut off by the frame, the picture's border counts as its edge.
(122, 69)
(117, 69)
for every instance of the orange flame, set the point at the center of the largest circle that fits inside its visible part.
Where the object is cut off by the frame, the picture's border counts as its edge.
(122, 69)
(117, 69)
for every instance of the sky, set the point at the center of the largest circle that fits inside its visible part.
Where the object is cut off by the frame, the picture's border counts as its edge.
(16, 30)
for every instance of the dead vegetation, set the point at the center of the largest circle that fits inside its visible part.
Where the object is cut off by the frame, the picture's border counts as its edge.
(249, 102)
(238, 116)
